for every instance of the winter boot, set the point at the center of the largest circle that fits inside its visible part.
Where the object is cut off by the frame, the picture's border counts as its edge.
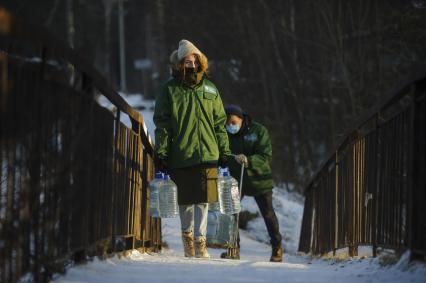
(277, 253)
(201, 248)
(188, 244)
(232, 253)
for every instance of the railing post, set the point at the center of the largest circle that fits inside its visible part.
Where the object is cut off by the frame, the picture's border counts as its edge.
(375, 203)
(352, 190)
(353, 250)
(336, 200)
(416, 192)
(411, 172)
(114, 180)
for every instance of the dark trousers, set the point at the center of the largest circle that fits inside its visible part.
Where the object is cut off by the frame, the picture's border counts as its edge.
(264, 202)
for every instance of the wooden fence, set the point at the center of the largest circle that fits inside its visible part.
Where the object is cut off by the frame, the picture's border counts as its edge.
(372, 189)
(73, 178)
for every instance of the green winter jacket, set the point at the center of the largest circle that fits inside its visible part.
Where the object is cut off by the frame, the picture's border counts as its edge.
(253, 141)
(190, 124)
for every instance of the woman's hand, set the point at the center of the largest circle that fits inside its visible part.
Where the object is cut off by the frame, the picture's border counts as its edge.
(242, 159)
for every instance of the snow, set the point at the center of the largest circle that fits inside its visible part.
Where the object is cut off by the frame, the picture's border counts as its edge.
(171, 266)
(144, 106)
(289, 210)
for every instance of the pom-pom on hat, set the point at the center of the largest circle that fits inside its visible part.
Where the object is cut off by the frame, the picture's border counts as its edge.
(233, 109)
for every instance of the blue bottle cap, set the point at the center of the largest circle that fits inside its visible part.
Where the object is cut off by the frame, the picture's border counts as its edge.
(226, 173)
(166, 177)
(158, 175)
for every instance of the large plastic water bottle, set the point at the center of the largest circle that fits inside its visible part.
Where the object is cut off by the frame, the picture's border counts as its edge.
(229, 195)
(167, 198)
(212, 228)
(153, 188)
(215, 206)
(213, 221)
(220, 229)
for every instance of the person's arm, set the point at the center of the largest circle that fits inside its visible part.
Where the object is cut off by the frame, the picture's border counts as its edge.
(219, 117)
(162, 121)
(262, 150)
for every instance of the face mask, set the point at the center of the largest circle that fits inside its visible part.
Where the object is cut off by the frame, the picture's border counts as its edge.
(191, 76)
(233, 129)
(189, 71)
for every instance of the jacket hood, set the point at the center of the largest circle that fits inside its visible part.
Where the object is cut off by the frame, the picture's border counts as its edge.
(247, 122)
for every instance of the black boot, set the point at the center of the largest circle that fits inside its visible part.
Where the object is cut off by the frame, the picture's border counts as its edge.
(277, 254)
(232, 253)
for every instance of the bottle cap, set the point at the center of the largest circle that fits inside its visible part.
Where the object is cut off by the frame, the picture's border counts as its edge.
(159, 175)
(226, 173)
(166, 177)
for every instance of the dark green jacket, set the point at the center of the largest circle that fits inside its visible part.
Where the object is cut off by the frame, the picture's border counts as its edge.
(252, 141)
(190, 124)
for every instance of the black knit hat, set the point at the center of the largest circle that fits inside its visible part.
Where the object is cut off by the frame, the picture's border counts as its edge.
(233, 109)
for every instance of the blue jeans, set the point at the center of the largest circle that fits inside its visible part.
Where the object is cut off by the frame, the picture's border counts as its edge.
(193, 218)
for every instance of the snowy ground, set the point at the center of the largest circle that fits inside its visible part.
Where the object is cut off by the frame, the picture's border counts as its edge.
(289, 210)
(171, 266)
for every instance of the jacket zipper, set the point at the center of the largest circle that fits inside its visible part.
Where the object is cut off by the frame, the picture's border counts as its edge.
(198, 125)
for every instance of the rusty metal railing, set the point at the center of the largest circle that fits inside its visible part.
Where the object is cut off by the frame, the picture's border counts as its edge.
(371, 191)
(73, 178)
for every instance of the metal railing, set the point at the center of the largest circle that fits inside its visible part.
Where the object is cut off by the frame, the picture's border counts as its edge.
(371, 191)
(73, 178)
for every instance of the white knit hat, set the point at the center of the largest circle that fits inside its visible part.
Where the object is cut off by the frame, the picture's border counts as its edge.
(186, 48)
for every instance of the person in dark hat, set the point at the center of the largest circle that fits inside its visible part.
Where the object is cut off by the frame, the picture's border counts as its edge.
(250, 143)
(191, 141)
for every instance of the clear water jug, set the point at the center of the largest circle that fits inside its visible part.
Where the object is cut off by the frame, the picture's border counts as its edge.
(220, 229)
(213, 225)
(153, 188)
(229, 195)
(167, 198)
(214, 206)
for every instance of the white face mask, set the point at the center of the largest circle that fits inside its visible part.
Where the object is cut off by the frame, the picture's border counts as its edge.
(233, 129)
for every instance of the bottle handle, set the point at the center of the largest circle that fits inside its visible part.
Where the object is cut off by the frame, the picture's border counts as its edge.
(240, 187)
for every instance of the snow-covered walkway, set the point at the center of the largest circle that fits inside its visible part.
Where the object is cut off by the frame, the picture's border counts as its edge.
(171, 266)
(254, 266)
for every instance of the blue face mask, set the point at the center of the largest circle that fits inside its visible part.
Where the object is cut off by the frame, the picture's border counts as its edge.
(233, 129)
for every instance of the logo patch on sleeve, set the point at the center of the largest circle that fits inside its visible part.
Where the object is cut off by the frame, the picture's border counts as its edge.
(210, 89)
(251, 137)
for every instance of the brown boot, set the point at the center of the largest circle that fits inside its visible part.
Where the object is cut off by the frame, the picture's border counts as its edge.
(232, 253)
(277, 254)
(188, 244)
(201, 248)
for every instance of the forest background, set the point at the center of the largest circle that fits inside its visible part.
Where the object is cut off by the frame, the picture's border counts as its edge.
(305, 69)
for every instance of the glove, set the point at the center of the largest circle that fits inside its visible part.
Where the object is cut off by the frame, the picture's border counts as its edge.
(223, 161)
(160, 165)
(242, 159)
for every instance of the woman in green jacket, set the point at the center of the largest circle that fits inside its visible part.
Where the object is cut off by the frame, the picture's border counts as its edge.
(191, 141)
(249, 142)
